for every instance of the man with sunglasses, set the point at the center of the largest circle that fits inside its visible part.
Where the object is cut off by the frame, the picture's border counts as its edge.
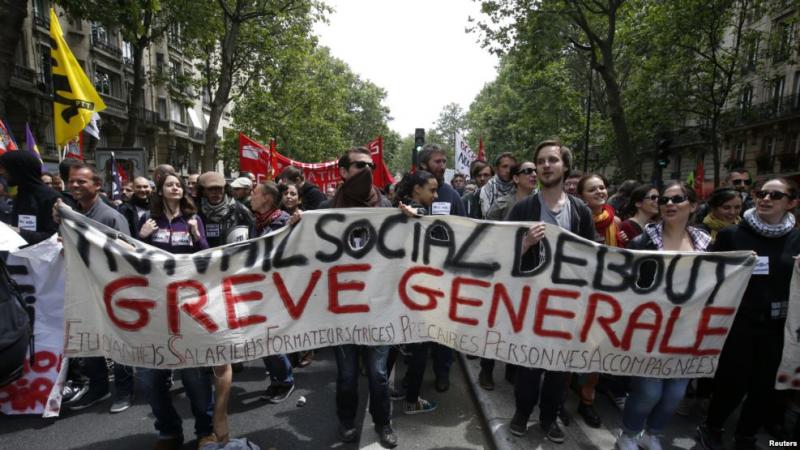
(357, 190)
(739, 179)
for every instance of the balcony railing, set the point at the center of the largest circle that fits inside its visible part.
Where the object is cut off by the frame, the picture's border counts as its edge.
(23, 73)
(778, 108)
(180, 127)
(115, 103)
(106, 47)
(197, 134)
(41, 21)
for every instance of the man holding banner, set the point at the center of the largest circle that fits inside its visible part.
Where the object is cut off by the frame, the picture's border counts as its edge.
(550, 207)
(355, 168)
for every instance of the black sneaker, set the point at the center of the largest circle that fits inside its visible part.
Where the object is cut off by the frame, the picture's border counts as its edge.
(347, 433)
(553, 433)
(589, 415)
(485, 380)
(518, 425)
(121, 403)
(92, 397)
(709, 438)
(386, 436)
(73, 392)
(277, 393)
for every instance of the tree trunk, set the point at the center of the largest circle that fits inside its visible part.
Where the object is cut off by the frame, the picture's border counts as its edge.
(222, 95)
(715, 146)
(11, 22)
(135, 97)
(626, 156)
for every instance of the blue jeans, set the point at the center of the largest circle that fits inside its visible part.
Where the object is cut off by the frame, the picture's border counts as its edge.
(197, 383)
(280, 369)
(347, 358)
(652, 401)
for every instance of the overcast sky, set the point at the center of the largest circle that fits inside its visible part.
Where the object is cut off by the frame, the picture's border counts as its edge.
(417, 50)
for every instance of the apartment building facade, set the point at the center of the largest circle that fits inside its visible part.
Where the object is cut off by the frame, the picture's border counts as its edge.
(170, 131)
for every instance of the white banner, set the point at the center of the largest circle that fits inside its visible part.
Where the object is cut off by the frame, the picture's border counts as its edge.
(789, 371)
(374, 277)
(464, 156)
(39, 272)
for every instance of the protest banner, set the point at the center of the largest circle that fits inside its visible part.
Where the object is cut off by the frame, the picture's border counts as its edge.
(375, 277)
(464, 156)
(788, 375)
(39, 272)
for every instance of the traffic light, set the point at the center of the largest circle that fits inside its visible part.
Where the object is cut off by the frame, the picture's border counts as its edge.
(419, 142)
(662, 148)
(419, 139)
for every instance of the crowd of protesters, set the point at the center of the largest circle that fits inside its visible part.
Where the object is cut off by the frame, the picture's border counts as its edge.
(185, 215)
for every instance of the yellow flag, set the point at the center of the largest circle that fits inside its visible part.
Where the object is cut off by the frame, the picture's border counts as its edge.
(75, 97)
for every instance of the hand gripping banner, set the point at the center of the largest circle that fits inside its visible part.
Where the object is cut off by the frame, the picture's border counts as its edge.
(375, 277)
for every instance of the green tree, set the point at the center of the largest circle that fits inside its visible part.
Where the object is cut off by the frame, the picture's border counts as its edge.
(542, 31)
(141, 24)
(451, 118)
(239, 43)
(315, 106)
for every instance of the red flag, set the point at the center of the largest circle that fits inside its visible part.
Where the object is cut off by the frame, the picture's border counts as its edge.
(326, 174)
(6, 141)
(699, 176)
(273, 159)
(252, 157)
(481, 152)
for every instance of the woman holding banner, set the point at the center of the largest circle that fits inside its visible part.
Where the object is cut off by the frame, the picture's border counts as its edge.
(265, 201)
(752, 352)
(418, 190)
(653, 401)
(173, 225)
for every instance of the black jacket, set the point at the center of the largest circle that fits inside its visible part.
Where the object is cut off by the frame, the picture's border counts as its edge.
(34, 201)
(310, 196)
(530, 210)
(217, 232)
(764, 292)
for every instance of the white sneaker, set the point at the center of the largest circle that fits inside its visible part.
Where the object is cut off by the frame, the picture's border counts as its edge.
(649, 441)
(626, 442)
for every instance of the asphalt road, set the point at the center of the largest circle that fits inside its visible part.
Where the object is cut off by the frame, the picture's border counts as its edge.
(456, 424)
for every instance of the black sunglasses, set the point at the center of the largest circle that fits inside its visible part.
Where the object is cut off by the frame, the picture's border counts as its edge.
(362, 164)
(774, 195)
(675, 199)
(527, 171)
(738, 182)
(653, 197)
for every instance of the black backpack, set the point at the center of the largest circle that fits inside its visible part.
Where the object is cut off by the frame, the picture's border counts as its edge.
(16, 329)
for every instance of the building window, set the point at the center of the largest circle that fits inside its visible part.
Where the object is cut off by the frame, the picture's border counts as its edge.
(46, 60)
(751, 55)
(784, 40)
(40, 10)
(177, 112)
(738, 151)
(162, 109)
(776, 93)
(127, 52)
(745, 98)
(102, 82)
(175, 70)
(99, 34)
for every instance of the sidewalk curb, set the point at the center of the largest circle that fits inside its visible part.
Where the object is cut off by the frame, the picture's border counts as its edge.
(498, 434)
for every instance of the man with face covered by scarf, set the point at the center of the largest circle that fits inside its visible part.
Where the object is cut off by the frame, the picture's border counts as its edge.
(31, 214)
(357, 191)
(226, 220)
